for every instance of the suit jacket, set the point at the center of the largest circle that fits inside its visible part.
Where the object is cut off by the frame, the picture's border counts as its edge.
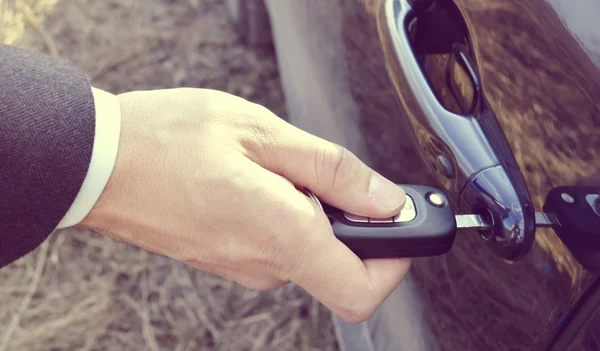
(47, 125)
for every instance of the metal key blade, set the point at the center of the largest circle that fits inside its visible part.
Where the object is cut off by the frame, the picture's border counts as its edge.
(542, 220)
(545, 220)
(471, 221)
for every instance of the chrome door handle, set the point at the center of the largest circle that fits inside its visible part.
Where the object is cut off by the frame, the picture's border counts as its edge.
(466, 149)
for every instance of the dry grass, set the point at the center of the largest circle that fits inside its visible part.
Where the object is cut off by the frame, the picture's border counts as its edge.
(81, 291)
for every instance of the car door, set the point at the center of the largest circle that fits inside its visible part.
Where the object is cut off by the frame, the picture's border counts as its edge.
(526, 75)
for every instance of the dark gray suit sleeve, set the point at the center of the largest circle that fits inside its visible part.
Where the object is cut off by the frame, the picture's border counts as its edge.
(47, 126)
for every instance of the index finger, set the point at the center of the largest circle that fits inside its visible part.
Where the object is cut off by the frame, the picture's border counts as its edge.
(349, 287)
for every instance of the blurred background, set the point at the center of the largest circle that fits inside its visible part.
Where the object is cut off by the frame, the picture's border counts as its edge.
(81, 291)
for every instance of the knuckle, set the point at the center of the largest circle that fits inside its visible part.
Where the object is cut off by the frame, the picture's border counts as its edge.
(308, 241)
(334, 164)
(281, 244)
(356, 314)
(358, 306)
(263, 133)
(261, 110)
(262, 141)
(276, 250)
(290, 260)
(272, 253)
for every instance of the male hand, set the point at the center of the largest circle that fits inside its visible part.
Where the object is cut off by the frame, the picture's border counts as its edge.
(208, 179)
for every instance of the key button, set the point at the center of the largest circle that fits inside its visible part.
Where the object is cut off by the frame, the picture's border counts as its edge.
(355, 218)
(436, 199)
(381, 220)
(408, 212)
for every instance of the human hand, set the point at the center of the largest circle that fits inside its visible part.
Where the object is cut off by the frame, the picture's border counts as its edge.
(208, 178)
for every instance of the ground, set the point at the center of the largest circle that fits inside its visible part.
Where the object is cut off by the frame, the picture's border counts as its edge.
(81, 291)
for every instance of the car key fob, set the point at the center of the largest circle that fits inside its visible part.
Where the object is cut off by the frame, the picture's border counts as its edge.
(576, 221)
(426, 226)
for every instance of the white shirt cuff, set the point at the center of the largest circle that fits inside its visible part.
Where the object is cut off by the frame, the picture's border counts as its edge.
(104, 156)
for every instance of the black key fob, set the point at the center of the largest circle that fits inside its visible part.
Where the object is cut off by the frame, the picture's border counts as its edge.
(577, 212)
(426, 226)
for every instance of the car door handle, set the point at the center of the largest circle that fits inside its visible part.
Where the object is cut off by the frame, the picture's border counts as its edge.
(458, 136)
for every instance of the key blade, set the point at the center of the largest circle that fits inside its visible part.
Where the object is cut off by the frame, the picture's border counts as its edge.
(546, 220)
(542, 220)
(472, 221)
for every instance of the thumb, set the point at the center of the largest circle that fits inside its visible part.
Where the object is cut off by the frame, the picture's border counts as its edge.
(335, 175)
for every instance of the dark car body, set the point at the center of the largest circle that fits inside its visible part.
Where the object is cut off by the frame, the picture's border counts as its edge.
(538, 68)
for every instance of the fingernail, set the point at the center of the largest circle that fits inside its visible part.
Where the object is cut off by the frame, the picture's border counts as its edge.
(387, 194)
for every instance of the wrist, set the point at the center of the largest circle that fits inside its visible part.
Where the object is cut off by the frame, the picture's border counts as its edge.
(130, 207)
(111, 110)
(118, 212)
